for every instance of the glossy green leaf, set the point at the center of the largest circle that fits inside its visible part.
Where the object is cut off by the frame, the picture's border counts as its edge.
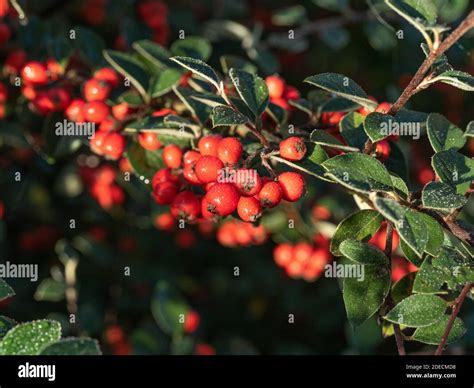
(441, 196)
(164, 82)
(362, 253)
(454, 169)
(200, 68)
(252, 90)
(73, 347)
(442, 134)
(417, 310)
(352, 130)
(324, 138)
(193, 46)
(226, 116)
(5, 290)
(433, 334)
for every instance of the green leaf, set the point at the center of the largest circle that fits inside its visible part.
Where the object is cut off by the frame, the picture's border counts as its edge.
(456, 78)
(145, 163)
(310, 164)
(277, 113)
(441, 196)
(442, 134)
(289, 16)
(360, 226)
(226, 116)
(164, 82)
(168, 308)
(89, 45)
(6, 324)
(435, 234)
(409, 223)
(154, 53)
(200, 68)
(454, 169)
(232, 61)
(323, 138)
(433, 334)
(362, 253)
(417, 310)
(199, 110)
(30, 338)
(352, 130)
(132, 98)
(377, 125)
(193, 47)
(5, 290)
(342, 86)
(403, 288)
(130, 68)
(456, 269)
(364, 298)
(359, 172)
(424, 9)
(303, 105)
(73, 347)
(252, 90)
(400, 186)
(429, 279)
(50, 290)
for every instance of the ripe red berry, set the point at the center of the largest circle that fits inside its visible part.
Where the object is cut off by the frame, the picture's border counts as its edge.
(191, 157)
(190, 174)
(14, 61)
(172, 155)
(302, 252)
(271, 194)
(207, 145)
(75, 111)
(96, 111)
(3, 93)
(191, 322)
(108, 75)
(229, 150)
(164, 175)
(208, 168)
(114, 145)
(35, 73)
(163, 112)
(165, 192)
(292, 185)
(186, 206)
(149, 141)
(121, 111)
(384, 107)
(221, 200)
(54, 68)
(97, 142)
(293, 148)
(275, 85)
(96, 90)
(248, 181)
(283, 254)
(382, 150)
(164, 221)
(5, 34)
(249, 209)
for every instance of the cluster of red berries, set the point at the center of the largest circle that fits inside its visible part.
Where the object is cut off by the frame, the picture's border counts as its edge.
(215, 168)
(155, 14)
(304, 260)
(279, 92)
(102, 186)
(234, 233)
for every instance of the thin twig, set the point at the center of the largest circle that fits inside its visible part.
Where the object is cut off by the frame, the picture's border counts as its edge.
(412, 87)
(452, 318)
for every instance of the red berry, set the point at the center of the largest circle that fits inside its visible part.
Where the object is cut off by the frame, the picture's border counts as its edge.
(293, 148)
(3, 93)
(208, 145)
(165, 192)
(283, 254)
(97, 142)
(121, 111)
(75, 110)
(191, 322)
(96, 90)
(191, 157)
(292, 185)
(15, 61)
(54, 68)
(291, 93)
(382, 150)
(275, 85)
(208, 168)
(108, 75)
(190, 174)
(186, 206)
(248, 181)
(302, 252)
(163, 112)
(5, 34)
(229, 150)
(249, 209)
(164, 175)
(271, 194)
(34, 73)
(149, 141)
(384, 107)
(96, 111)
(164, 221)
(221, 200)
(114, 145)
(172, 155)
